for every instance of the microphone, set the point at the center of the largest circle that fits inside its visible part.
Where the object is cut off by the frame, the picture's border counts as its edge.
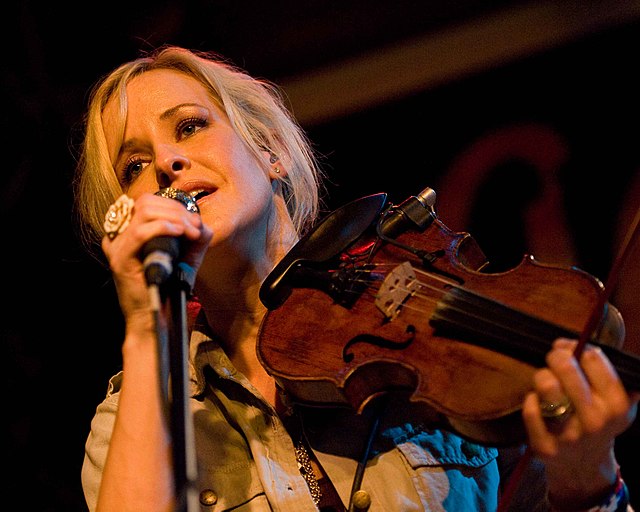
(160, 254)
(415, 212)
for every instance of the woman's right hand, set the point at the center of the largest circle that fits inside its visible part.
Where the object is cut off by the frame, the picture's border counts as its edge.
(152, 216)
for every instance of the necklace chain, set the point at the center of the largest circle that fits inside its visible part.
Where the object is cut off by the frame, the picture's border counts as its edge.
(302, 455)
(307, 472)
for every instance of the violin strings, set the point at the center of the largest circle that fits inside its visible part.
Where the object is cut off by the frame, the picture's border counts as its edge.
(541, 342)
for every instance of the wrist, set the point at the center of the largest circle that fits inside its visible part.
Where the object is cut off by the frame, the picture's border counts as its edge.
(615, 499)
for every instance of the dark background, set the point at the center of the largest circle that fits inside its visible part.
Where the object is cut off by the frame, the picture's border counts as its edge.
(523, 116)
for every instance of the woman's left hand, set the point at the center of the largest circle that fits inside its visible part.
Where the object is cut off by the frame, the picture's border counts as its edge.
(577, 448)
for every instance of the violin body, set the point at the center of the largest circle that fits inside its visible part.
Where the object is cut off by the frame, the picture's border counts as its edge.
(414, 315)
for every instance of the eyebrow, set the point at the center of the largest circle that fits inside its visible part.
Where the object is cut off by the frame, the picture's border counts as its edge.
(170, 112)
(126, 145)
(165, 115)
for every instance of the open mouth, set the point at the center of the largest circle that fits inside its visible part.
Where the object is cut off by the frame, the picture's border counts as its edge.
(199, 194)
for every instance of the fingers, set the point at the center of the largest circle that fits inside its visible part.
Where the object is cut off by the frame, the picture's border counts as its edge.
(151, 216)
(600, 406)
(549, 395)
(592, 384)
(157, 216)
(565, 372)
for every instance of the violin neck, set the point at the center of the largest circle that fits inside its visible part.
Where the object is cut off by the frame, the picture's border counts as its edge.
(475, 319)
(627, 365)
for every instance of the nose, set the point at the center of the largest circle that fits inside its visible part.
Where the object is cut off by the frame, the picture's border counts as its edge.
(169, 164)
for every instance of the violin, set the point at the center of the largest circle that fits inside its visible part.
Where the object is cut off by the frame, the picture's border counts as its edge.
(382, 299)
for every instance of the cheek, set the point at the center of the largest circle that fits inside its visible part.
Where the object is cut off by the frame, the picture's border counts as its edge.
(251, 180)
(256, 194)
(256, 199)
(245, 194)
(146, 182)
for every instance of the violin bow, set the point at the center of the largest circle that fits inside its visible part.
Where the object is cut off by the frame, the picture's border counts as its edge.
(621, 258)
(585, 336)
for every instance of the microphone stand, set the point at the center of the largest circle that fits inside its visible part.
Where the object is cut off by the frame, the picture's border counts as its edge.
(173, 352)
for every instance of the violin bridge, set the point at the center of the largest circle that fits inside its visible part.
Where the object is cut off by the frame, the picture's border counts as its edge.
(396, 289)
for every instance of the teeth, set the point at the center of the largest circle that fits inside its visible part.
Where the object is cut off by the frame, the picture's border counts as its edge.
(194, 193)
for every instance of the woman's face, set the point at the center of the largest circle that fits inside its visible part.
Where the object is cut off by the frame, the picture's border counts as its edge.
(175, 135)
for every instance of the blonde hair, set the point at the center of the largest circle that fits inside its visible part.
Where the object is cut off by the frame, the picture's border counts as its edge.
(254, 107)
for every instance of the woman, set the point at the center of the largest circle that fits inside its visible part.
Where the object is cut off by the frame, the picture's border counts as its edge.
(194, 123)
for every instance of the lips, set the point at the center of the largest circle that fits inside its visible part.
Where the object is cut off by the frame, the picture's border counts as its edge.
(197, 189)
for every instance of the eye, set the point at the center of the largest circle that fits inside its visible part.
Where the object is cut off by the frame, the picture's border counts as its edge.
(133, 167)
(188, 127)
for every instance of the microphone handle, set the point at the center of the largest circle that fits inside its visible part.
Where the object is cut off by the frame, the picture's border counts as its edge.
(159, 256)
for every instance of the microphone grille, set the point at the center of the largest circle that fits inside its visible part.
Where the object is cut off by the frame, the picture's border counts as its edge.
(180, 195)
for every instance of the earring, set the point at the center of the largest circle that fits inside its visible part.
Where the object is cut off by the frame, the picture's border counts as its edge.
(273, 158)
(276, 170)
